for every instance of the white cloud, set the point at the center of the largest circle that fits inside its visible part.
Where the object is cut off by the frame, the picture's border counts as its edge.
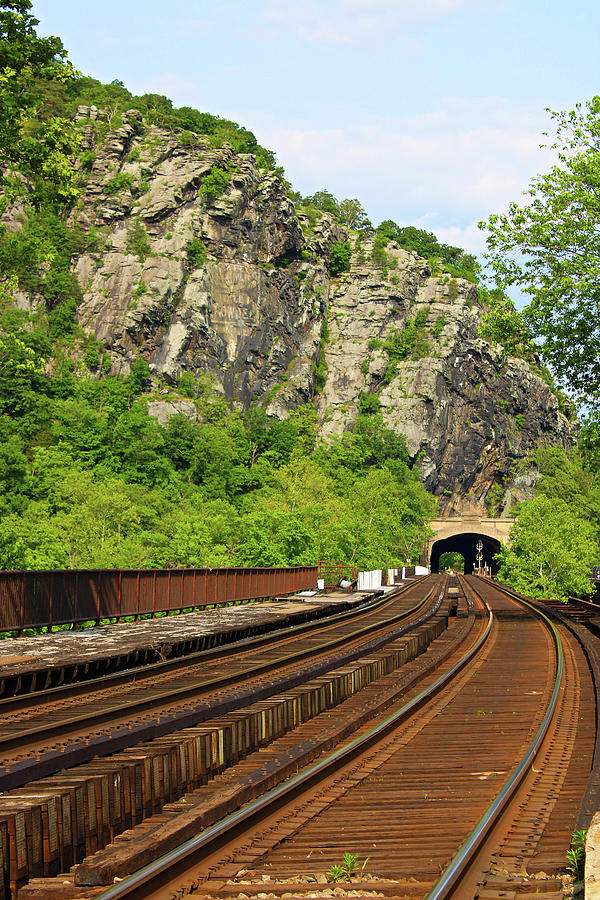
(355, 21)
(448, 168)
(443, 170)
(470, 238)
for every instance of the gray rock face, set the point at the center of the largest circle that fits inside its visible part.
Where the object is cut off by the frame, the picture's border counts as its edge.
(163, 410)
(471, 415)
(248, 309)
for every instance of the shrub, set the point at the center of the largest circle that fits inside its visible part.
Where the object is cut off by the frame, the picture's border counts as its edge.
(503, 324)
(411, 343)
(196, 253)
(378, 252)
(439, 326)
(188, 139)
(187, 384)
(341, 254)
(61, 318)
(391, 372)
(86, 160)
(368, 404)
(121, 182)
(91, 358)
(138, 241)
(214, 184)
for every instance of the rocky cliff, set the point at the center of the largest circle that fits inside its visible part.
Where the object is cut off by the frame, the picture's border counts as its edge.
(202, 263)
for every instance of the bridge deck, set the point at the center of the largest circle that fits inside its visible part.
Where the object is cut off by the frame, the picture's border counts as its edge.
(77, 654)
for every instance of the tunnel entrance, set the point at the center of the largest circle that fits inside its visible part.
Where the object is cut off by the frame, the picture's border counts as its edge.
(465, 545)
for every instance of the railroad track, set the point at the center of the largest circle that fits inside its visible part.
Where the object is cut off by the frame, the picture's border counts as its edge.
(244, 702)
(474, 796)
(152, 700)
(133, 647)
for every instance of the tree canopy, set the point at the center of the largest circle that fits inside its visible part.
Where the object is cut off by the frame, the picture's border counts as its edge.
(555, 539)
(552, 551)
(39, 150)
(550, 248)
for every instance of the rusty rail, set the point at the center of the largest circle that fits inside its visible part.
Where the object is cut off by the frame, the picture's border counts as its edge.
(34, 599)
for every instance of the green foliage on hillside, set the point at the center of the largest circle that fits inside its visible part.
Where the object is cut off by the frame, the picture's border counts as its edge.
(349, 212)
(63, 99)
(410, 343)
(502, 323)
(214, 183)
(89, 478)
(425, 244)
(552, 551)
(40, 150)
(341, 254)
(555, 539)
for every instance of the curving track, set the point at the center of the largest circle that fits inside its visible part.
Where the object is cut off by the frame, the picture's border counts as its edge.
(411, 796)
(46, 730)
(204, 715)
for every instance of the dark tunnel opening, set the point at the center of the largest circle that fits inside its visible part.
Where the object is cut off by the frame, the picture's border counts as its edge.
(466, 545)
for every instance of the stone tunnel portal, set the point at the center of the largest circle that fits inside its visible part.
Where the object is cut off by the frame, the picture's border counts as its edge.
(465, 544)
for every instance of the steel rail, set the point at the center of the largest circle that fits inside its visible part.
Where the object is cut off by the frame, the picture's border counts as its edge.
(17, 737)
(320, 768)
(468, 849)
(137, 673)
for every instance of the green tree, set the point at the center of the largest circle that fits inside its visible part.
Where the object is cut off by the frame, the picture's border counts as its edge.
(25, 59)
(549, 248)
(31, 540)
(325, 201)
(137, 241)
(425, 244)
(454, 561)
(353, 215)
(96, 518)
(563, 477)
(295, 519)
(552, 550)
(388, 522)
(202, 535)
(502, 323)
(589, 443)
(138, 445)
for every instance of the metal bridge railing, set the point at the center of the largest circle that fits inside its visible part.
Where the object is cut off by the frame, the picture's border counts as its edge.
(34, 599)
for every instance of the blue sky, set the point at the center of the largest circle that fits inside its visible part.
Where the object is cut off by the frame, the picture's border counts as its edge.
(431, 112)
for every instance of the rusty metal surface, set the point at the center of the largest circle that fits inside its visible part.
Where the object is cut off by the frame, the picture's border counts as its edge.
(267, 720)
(582, 619)
(408, 806)
(44, 598)
(409, 802)
(44, 661)
(67, 733)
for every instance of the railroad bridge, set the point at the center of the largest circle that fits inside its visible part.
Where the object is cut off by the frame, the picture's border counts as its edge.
(459, 534)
